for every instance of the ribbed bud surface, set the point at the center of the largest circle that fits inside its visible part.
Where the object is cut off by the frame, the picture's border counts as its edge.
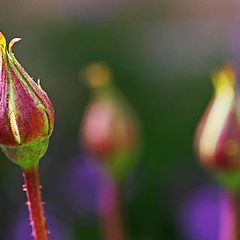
(26, 113)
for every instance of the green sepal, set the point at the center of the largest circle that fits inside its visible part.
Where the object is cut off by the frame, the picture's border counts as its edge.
(28, 155)
(121, 164)
(229, 179)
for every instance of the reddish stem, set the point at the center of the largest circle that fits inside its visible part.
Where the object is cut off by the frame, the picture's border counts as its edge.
(235, 198)
(229, 217)
(34, 202)
(111, 212)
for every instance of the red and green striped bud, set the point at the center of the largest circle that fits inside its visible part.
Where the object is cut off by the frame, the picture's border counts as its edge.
(109, 130)
(218, 134)
(26, 113)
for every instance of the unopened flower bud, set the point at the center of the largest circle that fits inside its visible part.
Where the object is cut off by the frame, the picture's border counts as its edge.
(26, 113)
(109, 129)
(218, 134)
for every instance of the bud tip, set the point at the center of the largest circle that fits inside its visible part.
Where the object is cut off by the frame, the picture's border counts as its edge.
(12, 42)
(225, 78)
(2, 40)
(98, 74)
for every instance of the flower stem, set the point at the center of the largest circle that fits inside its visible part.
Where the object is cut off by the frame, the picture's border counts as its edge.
(236, 215)
(229, 217)
(111, 212)
(34, 203)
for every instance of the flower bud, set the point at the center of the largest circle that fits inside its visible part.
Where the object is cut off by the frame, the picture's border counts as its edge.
(218, 134)
(109, 128)
(26, 113)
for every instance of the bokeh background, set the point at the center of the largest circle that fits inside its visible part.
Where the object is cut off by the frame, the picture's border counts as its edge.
(162, 54)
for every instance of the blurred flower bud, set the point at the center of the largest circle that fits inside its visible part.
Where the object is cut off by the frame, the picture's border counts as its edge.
(218, 134)
(110, 130)
(26, 113)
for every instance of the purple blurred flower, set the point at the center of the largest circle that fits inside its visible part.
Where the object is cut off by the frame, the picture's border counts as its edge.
(207, 215)
(20, 228)
(87, 186)
(84, 179)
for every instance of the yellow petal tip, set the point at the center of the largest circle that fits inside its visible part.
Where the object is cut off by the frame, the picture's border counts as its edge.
(225, 77)
(98, 74)
(2, 40)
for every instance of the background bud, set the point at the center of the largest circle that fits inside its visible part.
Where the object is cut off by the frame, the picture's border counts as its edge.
(109, 129)
(218, 134)
(26, 113)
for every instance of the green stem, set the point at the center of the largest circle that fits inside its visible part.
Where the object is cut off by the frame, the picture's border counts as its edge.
(34, 203)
